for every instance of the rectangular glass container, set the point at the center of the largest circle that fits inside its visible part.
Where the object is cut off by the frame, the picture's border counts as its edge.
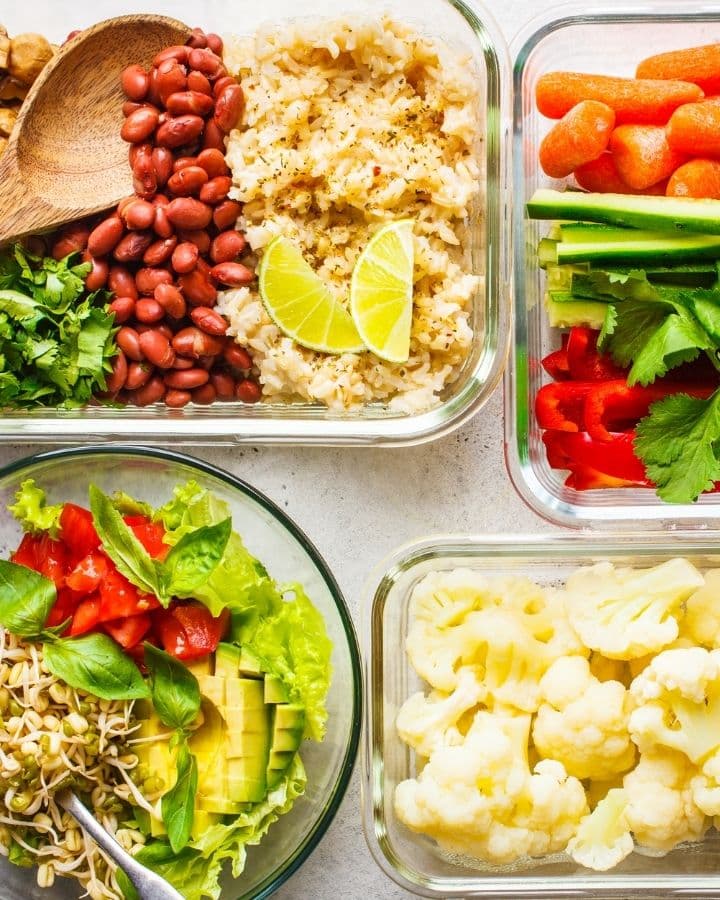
(414, 861)
(598, 38)
(300, 423)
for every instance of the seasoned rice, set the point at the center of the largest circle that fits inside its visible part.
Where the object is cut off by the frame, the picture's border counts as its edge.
(350, 124)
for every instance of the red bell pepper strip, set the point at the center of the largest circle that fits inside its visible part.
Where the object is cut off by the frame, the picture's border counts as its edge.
(584, 478)
(615, 406)
(585, 361)
(556, 365)
(560, 405)
(615, 458)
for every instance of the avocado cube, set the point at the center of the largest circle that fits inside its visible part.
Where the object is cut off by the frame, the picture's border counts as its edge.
(202, 821)
(227, 660)
(249, 664)
(275, 690)
(213, 688)
(202, 666)
(218, 804)
(244, 692)
(246, 777)
(278, 763)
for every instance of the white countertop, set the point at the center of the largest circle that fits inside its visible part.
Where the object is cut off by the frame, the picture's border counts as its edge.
(357, 506)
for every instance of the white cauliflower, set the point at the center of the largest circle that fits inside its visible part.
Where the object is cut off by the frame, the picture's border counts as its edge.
(583, 722)
(706, 785)
(701, 623)
(480, 799)
(627, 613)
(677, 700)
(603, 839)
(426, 723)
(661, 811)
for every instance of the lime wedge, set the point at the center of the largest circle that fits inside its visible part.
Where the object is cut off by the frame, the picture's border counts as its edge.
(301, 304)
(381, 291)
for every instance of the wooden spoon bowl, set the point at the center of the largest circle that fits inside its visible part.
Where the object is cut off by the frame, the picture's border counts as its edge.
(65, 158)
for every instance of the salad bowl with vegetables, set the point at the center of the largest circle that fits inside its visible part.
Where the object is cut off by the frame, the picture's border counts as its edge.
(175, 651)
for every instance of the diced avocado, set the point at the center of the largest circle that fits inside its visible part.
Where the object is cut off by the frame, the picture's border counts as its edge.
(213, 688)
(202, 821)
(209, 744)
(156, 756)
(589, 313)
(244, 692)
(275, 690)
(202, 666)
(278, 763)
(247, 778)
(218, 804)
(288, 724)
(227, 660)
(674, 214)
(249, 664)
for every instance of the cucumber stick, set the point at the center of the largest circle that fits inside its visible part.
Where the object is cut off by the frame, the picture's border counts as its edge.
(641, 248)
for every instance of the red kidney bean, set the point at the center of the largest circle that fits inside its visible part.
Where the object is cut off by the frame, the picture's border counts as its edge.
(147, 279)
(71, 239)
(105, 236)
(138, 215)
(213, 136)
(184, 257)
(226, 214)
(138, 375)
(232, 274)
(196, 81)
(178, 52)
(221, 84)
(208, 320)
(213, 162)
(204, 395)
(163, 328)
(148, 311)
(171, 300)
(197, 38)
(207, 62)
(216, 190)
(123, 308)
(71, 35)
(200, 238)
(176, 399)
(135, 82)
(97, 277)
(224, 385)
(195, 343)
(132, 247)
(188, 180)
(227, 246)
(160, 200)
(189, 214)
(237, 357)
(182, 102)
(214, 42)
(162, 225)
(160, 251)
(152, 392)
(186, 379)
(206, 362)
(128, 340)
(203, 267)
(139, 125)
(182, 362)
(156, 347)
(180, 130)
(248, 391)
(182, 162)
(171, 78)
(144, 177)
(229, 107)
(162, 160)
(144, 149)
(122, 283)
(116, 379)
(129, 107)
(197, 288)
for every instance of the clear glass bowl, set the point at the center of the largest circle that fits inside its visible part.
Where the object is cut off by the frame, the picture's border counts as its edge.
(289, 556)
(415, 862)
(300, 423)
(601, 38)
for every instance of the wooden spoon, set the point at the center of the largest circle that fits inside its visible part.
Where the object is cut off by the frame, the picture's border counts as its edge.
(65, 158)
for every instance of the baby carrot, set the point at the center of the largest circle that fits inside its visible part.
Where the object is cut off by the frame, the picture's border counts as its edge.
(697, 178)
(700, 65)
(602, 177)
(694, 129)
(579, 137)
(642, 101)
(642, 155)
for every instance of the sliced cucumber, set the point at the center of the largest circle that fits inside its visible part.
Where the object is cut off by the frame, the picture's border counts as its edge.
(575, 312)
(586, 232)
(658, 250)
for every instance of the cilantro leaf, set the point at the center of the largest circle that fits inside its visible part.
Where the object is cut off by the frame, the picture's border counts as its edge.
(678, 443)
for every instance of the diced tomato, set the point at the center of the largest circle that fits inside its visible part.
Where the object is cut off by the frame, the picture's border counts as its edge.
(121, 599)
(63, 608)
(52, 559)
(189, 631)
(26, 553)
(150, 534)
(89, 573)
(78, 531)
(129, 632)
(86, 616)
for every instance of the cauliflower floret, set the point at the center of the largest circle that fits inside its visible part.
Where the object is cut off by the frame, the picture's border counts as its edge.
(605, 669)
(480, 798)
(678, 703)
(603, 839)
(661, 811)
(426, 723)
(706, 786)
(701, 623)
(583, 722)
(627, 613)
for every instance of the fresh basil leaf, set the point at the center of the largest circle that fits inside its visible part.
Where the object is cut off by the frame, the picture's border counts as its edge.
(121, 545)
(97, 665)
(174, 689)
(178, 805)
(26, 598)
(194, 558)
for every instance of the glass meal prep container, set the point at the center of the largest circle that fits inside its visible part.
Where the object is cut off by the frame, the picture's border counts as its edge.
(607, 39)
(414, 861)
(301, 423)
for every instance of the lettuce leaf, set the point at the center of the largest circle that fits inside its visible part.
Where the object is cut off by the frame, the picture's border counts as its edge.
(188, 871)
(31, 510)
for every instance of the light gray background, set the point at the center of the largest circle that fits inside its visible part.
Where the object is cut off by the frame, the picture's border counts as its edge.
(357, 506)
